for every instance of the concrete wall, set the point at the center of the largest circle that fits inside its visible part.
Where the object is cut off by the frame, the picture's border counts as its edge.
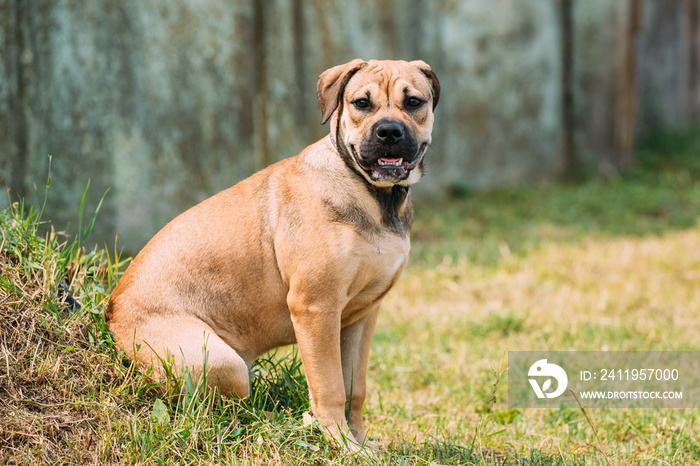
(165, 103)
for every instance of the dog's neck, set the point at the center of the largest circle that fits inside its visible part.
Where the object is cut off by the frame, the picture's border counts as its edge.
(396, 207)
(395, 204)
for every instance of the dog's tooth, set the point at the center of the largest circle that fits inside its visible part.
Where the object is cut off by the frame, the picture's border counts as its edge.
(385, 162)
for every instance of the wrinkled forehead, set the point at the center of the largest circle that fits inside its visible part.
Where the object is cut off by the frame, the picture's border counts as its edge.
(392, 78)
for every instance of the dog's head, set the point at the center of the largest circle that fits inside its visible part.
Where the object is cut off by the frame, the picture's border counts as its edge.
(381, 116)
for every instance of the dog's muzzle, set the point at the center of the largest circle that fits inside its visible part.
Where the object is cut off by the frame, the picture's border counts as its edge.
(389, 153)
(388, 168)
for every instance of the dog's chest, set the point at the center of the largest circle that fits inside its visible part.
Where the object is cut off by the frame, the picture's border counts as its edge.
(390, 256)
(381, 265)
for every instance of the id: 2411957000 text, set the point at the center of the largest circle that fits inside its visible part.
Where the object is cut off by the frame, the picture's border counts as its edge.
(630, 374)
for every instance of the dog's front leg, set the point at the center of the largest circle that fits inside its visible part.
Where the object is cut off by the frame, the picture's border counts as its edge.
(355, 341)
(317, 330)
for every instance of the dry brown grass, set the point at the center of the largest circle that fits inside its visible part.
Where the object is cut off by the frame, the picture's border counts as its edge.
(59, 397)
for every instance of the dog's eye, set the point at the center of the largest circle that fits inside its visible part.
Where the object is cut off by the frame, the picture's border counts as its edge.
(362, 104)
(414, 102)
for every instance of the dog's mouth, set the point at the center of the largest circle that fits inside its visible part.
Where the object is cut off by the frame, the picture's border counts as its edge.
(388, 168)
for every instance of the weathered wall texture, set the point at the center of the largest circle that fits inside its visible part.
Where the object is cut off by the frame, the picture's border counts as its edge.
(168, 102)
(637, 69)
(668, 48)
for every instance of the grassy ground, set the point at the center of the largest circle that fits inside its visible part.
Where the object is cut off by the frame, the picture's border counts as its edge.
(602, 264)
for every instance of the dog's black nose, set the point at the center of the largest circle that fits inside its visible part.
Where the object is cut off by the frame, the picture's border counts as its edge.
(390, 132)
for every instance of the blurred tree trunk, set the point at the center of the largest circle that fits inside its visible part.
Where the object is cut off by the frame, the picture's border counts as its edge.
(630, 21)
(13, 124)
(263, 156)
(693, 14)
(568, 147)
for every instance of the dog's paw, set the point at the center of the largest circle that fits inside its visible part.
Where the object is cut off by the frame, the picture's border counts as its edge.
(372, 445)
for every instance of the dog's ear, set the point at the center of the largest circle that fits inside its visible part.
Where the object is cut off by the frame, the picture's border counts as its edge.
(331, 85)
(428, 72)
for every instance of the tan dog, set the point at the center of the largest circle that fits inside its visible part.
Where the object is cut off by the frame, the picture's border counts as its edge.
(301, 252)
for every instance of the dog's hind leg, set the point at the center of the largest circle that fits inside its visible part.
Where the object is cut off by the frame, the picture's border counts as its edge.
(181, 344)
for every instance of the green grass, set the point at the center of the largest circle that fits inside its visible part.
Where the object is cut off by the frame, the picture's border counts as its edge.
(603, 264)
